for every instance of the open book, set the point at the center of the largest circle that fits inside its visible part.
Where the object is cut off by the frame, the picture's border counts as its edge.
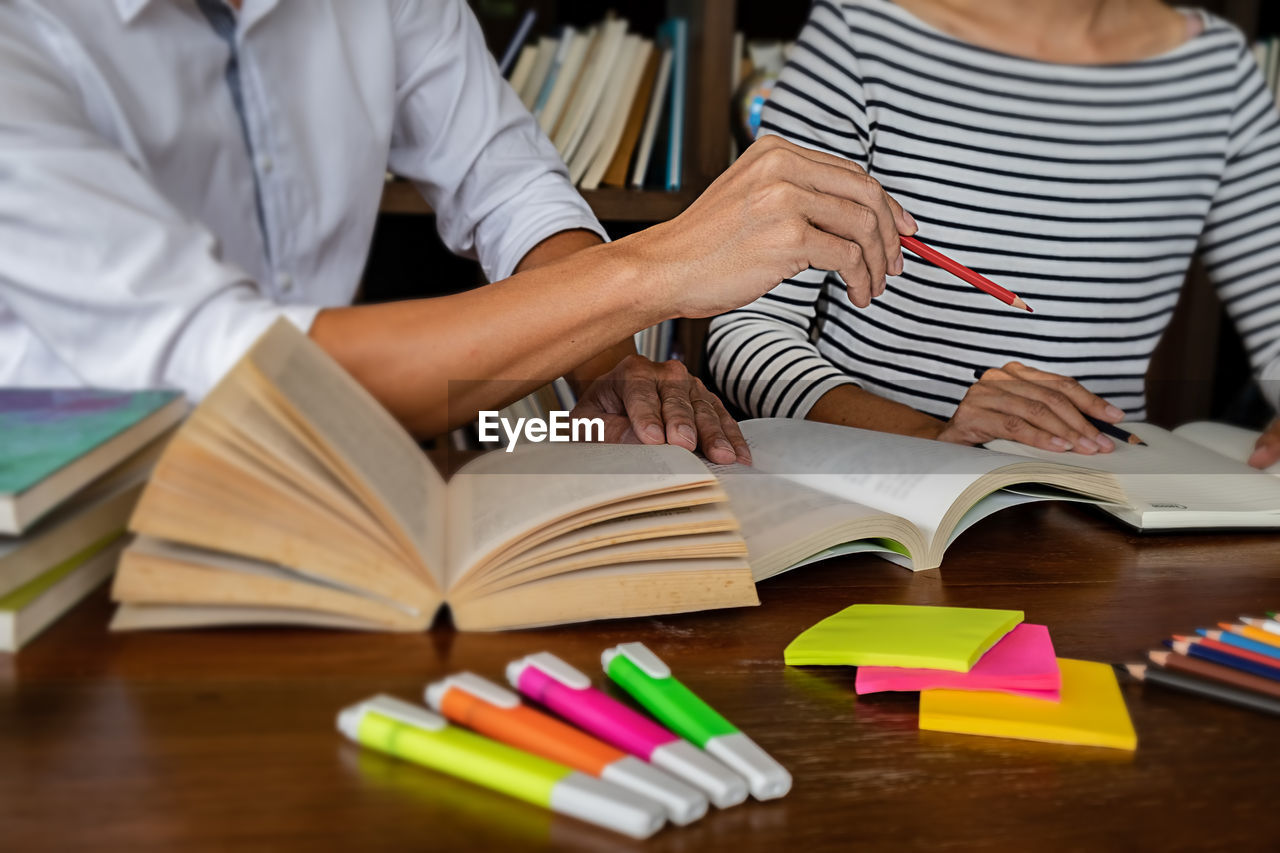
(1192, 478)
(816, 490)
(291, 496)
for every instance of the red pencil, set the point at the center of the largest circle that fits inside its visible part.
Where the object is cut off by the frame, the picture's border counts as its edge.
(933, 256)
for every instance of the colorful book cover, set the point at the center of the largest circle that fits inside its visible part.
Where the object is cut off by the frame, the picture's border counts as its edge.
(674, 34)
(42, 430)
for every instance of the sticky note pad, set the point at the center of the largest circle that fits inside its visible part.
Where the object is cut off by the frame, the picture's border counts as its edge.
(950, 638)
(1022, 663)
(1092, 711)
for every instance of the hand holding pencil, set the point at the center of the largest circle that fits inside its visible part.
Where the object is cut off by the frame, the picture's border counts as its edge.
(1033, 407)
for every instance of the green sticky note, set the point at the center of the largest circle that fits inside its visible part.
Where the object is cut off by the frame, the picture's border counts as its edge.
(950, 638)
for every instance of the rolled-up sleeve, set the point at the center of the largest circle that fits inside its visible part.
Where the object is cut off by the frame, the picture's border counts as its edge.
(95, 263)
(495, 181)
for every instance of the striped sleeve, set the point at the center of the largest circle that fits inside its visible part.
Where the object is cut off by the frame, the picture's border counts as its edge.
(1241, 239)
(762, 357)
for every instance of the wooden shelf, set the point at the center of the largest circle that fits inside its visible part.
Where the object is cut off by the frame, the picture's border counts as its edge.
(610, 204)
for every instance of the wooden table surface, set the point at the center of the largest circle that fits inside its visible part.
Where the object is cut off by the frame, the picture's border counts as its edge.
(205, 740)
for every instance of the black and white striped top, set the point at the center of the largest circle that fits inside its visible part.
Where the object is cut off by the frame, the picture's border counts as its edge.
(1085, 189)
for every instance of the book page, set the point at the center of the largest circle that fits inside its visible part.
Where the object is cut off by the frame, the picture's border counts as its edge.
(371, 451)
(915, 479)
(1172, 473)
(1232, 442)
(502, 496)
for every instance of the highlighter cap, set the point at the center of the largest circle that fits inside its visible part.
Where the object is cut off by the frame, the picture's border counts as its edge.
(468, 682)
(388, 706)
(551, 666)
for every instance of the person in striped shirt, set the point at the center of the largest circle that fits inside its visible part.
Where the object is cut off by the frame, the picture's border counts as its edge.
(1079, 153)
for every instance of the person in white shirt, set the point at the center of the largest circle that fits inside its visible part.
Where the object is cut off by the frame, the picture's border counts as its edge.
(177, 174)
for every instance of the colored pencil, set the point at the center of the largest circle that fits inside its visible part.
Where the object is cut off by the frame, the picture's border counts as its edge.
(1227, 659)
(1114, 431)
(960, 271)
(1175, 680)
(1271, 626)
(1226, 648)
(1214, 672)
(1252, 633)
(1102, 426)
(1241, 642)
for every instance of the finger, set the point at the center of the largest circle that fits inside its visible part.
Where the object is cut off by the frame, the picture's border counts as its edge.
(711, 438)
(1083, 399)
(734, 446)
(677, 410)
(741, 449)
(1084, 435)
(999, 424)
(1018, 411)
(1267, 451)
(870, 215)
(644, 408)
(828, 252)
(851, 221)
(904, 222)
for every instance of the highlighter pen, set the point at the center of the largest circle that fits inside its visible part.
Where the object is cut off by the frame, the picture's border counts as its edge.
(649, 681)
(567, 691)
(415, 734)
(494, 711)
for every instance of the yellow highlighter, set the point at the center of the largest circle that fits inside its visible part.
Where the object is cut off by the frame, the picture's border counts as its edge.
(415, 734)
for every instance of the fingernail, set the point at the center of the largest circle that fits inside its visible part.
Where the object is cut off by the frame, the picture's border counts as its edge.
(686, 432)
(1115, 413)
(744, 458)
(911, 220)
(1087, 446)
(1060, 443)
(1105, 444)
(902, 262)
(653, 432)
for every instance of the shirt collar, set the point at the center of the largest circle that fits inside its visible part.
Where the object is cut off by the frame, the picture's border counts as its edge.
(129, 9)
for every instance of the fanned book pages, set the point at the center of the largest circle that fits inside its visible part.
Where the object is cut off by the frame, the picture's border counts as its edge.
(1189, 479)
(291, 496)
(816, 490)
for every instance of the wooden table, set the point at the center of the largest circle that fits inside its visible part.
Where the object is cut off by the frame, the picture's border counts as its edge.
(209, 740)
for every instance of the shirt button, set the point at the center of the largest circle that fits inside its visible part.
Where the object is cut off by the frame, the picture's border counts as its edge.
(265, 164)
(284, 281)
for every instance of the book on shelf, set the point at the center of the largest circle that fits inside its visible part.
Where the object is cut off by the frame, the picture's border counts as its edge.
(546, 53)
(515, 46)
(620, 98)
(290, 489)
(523, 68)
(653, 120)
(549, 115)
(58, 440)
(616, 174)
(564, 44)
(1267, 52)
(674, 33)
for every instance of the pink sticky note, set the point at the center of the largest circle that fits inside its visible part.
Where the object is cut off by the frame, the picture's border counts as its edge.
(1022, 663)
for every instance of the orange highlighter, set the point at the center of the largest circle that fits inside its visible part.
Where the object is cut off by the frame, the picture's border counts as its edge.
(495, 711)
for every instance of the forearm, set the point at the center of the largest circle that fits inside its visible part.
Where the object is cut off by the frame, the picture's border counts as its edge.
(435, 362)
(849, 405)
(555, 248)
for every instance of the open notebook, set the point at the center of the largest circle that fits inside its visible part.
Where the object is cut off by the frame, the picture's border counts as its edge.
(1192, 478)
(816, 490)
(291, 496)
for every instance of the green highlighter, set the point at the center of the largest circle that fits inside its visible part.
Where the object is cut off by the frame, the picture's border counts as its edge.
(649, 681)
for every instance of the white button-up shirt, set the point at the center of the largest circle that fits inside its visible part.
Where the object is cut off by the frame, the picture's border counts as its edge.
(151, 226)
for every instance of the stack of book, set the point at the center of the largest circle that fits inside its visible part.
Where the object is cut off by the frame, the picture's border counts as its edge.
(72, 467)
(1267, 52)
(612, 102)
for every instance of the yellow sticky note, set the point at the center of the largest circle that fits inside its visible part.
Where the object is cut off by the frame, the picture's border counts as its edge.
(1092, 711)
(951, 638)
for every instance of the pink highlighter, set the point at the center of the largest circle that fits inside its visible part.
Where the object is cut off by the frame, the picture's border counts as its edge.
(550, 681)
